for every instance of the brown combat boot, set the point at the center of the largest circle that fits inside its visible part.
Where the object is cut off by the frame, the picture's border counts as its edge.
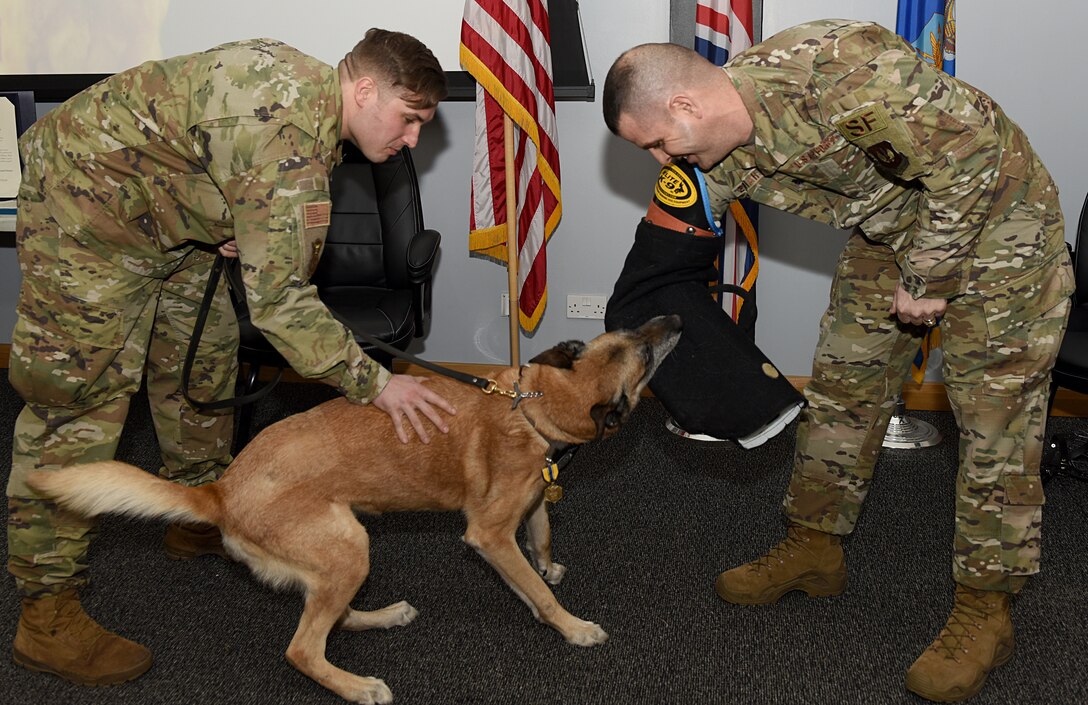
(977, 638)
(186, 541)
(56, 636)
(807, 560)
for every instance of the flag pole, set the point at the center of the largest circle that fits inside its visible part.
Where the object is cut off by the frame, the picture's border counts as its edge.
(512, 240)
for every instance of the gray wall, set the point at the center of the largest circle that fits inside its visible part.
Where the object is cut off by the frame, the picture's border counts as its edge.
(607, 183)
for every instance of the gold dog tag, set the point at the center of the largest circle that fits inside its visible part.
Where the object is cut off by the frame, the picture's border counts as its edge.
(553, 493)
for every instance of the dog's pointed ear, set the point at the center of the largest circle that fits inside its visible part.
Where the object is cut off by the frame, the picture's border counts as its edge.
(562, 355)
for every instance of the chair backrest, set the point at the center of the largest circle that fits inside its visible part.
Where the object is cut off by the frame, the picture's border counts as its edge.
(376, 210)
(1080, 256)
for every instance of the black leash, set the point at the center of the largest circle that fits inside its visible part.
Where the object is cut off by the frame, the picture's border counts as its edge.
(487, 386)
(190, 354)
(483, 384)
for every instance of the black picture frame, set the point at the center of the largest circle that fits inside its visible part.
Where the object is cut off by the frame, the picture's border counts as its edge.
(25, 111)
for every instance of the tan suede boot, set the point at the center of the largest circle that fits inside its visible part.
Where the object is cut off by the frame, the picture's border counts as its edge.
(56, 636)
(186, 541)
(806, 560)
(977, 638)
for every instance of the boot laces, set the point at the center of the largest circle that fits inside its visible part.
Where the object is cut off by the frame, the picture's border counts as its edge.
(777, 554)
(70, 618)
(963, 627)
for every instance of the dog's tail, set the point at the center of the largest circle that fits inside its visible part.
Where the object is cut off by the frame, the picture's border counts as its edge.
(113, 487)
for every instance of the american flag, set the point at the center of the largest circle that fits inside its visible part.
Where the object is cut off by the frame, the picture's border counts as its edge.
(505, 46)
(724, 28)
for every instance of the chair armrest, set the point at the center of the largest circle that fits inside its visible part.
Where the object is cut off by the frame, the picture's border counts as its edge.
(421, 254)
(422, 251)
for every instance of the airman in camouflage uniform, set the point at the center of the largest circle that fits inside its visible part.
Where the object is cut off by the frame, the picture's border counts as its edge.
(955, 223)
(128, 190)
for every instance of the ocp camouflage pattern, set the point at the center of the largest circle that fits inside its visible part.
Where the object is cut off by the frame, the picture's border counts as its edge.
(945, 196)
(128, 188)
(194, 150)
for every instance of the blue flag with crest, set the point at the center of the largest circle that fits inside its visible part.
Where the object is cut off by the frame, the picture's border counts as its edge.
(930, 27)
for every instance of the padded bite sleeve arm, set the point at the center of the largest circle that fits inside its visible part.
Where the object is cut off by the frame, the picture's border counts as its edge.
(716, 380)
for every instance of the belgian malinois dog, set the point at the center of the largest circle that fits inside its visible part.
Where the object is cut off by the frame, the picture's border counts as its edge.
(285, 505)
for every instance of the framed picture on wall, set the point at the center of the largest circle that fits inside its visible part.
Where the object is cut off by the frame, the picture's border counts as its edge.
(17, 113)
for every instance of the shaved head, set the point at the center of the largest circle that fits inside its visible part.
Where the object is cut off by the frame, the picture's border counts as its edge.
(676, 105)
(641, 79)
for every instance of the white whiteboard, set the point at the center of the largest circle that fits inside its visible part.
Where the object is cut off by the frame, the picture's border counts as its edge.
(106, 36)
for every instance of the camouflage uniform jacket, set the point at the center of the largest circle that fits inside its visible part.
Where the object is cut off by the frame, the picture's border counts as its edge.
(854, 130)
(237, 141)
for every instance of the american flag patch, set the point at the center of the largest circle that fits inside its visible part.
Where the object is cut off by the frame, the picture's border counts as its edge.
(316, 214)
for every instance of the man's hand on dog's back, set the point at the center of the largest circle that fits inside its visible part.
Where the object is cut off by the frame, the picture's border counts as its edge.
(408, 396)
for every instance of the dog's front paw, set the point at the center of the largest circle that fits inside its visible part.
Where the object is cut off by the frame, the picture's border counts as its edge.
(587, 634)
(553, 574)
(370, 691)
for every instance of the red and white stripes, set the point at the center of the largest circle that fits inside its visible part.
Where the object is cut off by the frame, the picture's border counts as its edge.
(505, 46)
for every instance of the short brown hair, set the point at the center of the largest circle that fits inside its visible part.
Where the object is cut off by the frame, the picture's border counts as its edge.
(402, 60)
(617, 88)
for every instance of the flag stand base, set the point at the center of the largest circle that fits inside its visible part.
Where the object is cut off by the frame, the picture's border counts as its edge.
(906, 432)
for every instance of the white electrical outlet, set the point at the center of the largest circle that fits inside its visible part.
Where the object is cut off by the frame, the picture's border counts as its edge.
(586, 306)
(504, 304)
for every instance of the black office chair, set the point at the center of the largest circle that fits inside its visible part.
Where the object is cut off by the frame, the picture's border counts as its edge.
(375, 270)
(1067, 453)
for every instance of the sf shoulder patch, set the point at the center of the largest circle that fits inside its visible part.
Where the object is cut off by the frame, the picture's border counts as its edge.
(675, 188)
(863, 122)
(316, 214)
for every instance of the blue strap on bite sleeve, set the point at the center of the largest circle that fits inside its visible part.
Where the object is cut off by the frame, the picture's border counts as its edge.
(704, 197)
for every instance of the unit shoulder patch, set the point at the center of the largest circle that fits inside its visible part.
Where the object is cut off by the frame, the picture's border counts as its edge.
(885, 154)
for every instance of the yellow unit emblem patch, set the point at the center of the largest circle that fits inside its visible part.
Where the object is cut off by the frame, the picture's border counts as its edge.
(675, 188)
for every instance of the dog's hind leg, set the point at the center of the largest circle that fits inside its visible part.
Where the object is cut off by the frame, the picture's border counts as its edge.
(306, 652)
(500, 549)
(538, 534)
(333, 559)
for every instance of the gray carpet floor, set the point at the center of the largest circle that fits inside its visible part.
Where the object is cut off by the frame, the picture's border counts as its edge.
(648, 521)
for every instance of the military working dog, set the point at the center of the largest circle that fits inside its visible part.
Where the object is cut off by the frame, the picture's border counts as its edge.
(285, 505)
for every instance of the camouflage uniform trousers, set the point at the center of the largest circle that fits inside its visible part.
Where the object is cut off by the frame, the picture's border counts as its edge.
(86, 331)
(998, 388)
